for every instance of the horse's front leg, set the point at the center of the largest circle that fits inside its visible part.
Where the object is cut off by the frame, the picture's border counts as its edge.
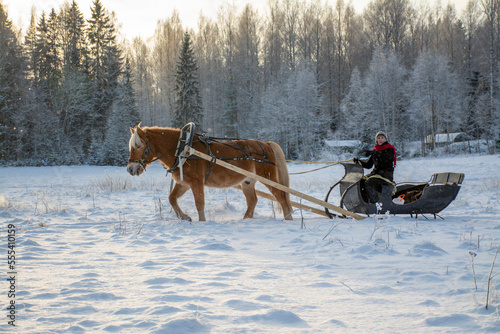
(198, 189)
(178, 191)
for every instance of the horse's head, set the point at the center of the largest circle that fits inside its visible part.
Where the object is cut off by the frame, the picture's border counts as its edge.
(140, 152)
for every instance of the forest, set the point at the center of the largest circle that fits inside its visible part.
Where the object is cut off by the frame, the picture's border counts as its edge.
(298, 73)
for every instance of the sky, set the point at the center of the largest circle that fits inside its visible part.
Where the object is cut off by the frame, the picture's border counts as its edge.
(139, 18)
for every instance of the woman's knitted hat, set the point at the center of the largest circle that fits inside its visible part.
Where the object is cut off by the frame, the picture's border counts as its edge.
(381, 133)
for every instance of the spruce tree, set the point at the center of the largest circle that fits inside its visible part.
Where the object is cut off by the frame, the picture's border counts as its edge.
(12, 70)
(188, 106)
(75, 92)
(46, 75)
(123, 115)
(105, 69)
(105, 61)
(30, 103)
(75, 42)
(53, 55)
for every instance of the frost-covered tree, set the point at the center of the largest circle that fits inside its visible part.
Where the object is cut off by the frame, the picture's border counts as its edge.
(105, 66)
(229, 105)
(167, 38)
(230, 121)
(384, 96)
(434, 100)
(42, 107)
(188, 100)
(387, 23)
(354, 110)
(12, 70)
(274, 115)
(209, 54)
(471, 122)
(144, 82)
(74, 41)
(338, 45)
(273, 43)
(308, 119)
(247, 70)
(293, 114)
(491, 10)
(123, 115)
(46, 59)
(74, 98)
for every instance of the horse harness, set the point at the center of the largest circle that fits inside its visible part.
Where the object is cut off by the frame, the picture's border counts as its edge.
(246, 152)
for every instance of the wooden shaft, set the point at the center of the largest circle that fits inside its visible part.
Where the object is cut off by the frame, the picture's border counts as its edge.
(294, 204)
(276, 185)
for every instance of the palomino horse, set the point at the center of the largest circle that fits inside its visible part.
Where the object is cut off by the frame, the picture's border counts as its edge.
(265, 159)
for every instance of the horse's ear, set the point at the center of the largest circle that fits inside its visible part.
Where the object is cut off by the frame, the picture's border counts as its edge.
(132, 131)
(140, 132)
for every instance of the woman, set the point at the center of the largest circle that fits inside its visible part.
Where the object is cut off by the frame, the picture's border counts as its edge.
(383, 158)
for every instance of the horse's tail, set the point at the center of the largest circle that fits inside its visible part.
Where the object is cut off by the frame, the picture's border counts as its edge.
(283, 176)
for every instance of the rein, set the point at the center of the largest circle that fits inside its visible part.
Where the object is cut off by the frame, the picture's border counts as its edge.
(316, 169)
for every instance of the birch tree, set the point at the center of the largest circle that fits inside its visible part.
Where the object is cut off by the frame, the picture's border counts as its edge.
(387, 23)
(247, 70)
(167, 39)
(211, 68)
(433, 98)
(385, 95)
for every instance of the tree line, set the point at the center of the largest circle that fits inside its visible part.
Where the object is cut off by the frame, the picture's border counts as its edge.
(297, 73)
(66, 90)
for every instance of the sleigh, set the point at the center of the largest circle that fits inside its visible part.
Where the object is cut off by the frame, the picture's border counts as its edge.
(404, 198)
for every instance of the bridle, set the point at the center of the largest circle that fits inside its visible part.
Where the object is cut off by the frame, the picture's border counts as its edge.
(143, 162)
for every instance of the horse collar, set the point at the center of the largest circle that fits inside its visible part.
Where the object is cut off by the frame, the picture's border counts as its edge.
(185, 139)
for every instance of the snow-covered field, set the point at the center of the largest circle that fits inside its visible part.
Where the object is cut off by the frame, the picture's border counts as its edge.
(99, 251)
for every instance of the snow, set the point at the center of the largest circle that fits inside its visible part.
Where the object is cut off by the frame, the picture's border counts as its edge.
(98, 250)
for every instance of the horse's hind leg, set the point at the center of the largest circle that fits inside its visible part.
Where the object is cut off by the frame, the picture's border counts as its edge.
(283, 199)
(248, 187)
(178, 191)
(199, 199)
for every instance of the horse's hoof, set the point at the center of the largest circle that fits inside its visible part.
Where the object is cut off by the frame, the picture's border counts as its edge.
(184, 217)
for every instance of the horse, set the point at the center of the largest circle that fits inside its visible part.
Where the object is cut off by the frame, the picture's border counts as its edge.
(265, 159)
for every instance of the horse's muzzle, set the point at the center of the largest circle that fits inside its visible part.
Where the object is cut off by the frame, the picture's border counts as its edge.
(134, 169)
